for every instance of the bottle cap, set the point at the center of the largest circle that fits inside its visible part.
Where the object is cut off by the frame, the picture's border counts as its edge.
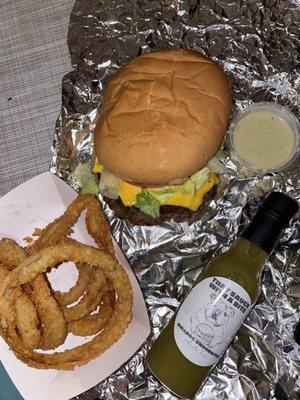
(273, 216)
(281, 205)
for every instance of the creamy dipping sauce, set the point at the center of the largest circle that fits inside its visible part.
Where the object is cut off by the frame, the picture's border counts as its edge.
(263, 139)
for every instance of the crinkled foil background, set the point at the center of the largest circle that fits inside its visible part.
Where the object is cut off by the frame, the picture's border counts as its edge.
(257, 43)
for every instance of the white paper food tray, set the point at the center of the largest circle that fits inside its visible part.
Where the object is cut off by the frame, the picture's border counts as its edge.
(33, 205)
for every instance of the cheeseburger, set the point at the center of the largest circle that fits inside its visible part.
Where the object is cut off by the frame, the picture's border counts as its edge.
(163, 117)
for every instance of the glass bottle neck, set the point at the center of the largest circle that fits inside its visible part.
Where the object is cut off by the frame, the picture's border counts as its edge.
(264, 230)
(250, 253)
(243, 264)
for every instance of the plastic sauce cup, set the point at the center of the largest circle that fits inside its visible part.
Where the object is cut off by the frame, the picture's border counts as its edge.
(265, 138)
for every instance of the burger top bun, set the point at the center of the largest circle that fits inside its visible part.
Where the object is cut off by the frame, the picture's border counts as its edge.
(163, 117)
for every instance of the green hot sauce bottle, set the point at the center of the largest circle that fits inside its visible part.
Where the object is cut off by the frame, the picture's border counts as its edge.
(221, 298)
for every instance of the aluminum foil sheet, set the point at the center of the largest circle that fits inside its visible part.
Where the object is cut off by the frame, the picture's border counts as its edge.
(257, 43)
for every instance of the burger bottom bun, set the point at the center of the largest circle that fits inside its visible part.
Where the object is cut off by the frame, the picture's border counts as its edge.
(167, 213)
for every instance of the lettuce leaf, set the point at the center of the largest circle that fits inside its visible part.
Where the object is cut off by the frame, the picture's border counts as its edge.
(200, 177)
(147, 204)
(86, 179)
(193, 183)
(161, 194)
(109, 184)
(216, 165)
(189, 186)
(150, 200)
(220, 152)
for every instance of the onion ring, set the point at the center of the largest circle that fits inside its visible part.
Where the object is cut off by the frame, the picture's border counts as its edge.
(54, 326)
(97, 226)
(91, 298)
(11, 254)
(92, 324)
(4, 270)
(66, 298)
(48, 258)
(59, 229)
(27, 321)
(62, 227)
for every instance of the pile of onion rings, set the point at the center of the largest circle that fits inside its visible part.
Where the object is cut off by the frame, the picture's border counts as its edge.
(35, 318)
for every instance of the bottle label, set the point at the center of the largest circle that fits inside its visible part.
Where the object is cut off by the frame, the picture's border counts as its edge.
(208, 319)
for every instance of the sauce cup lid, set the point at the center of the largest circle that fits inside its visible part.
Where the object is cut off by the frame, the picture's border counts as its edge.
(282, 112)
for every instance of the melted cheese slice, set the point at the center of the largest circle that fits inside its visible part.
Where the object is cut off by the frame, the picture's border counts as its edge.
(97, 168)
(129, 192)
(193, 202)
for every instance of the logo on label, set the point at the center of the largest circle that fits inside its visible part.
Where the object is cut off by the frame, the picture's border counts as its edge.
(208, 319)
(216, 317)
